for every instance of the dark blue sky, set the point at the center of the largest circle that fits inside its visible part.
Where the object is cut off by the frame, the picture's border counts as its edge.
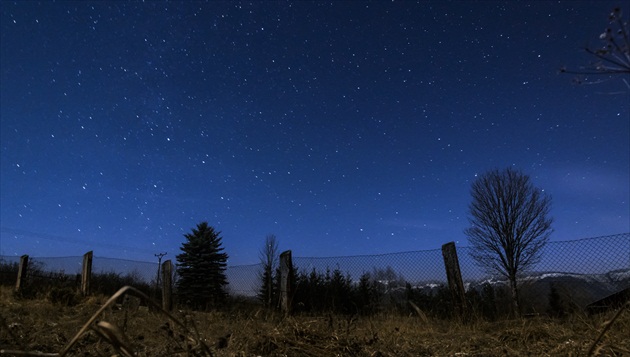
(343, 128)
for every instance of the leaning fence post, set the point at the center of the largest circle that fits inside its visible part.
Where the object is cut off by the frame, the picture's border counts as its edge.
(86, 273)
(454, 277)
(22, 269)
(286, 272)
(167, 287)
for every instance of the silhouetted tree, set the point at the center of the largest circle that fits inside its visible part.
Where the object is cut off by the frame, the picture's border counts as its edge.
(421, 299)
(488, 302)
(269, 260)
(441, 304)
(612, 57)
(555, 308)
(201, 269)
(339, 292)
(510, 224)
(367, 296)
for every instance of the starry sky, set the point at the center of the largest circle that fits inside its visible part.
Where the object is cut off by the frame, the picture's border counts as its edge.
(344, 128)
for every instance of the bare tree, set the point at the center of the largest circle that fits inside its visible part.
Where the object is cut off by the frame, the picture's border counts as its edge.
(612, 57)
(269, 260)
(510, 224)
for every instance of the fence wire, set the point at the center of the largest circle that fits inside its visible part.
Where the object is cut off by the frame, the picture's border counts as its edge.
(580, 271)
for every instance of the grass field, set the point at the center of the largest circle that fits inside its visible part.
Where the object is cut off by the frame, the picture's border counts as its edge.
(39, 325)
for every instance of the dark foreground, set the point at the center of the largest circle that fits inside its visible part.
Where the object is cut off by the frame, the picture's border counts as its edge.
(39, 325)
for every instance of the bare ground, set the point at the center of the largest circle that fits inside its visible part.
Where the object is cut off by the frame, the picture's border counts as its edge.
(38, 325)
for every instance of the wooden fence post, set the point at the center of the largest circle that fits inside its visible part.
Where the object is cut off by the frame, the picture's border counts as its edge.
(86, 273)
(167, 285)
(286, 273)
(454, 276)
(21, 276)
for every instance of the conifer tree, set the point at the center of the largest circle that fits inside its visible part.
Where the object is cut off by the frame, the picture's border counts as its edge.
(201, 269)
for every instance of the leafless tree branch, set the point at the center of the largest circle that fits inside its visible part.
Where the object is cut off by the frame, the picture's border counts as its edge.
(510, 224)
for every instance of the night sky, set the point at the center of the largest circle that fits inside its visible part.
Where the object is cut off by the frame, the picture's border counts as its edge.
(343, 128)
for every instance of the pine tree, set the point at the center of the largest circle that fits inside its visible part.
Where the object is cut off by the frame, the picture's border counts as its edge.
(201, 269)
(367, 294)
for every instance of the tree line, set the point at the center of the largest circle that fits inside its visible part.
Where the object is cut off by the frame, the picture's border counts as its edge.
(509, 226)
(509, 217)
(510, 223)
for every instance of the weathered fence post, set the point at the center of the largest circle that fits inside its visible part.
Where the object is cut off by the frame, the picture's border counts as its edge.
(454, 277)
(286, 273)
(86, 273)
(22, 269)
(157, 279)
(167, 285)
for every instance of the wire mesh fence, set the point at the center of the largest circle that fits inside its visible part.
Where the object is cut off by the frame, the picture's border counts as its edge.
(145, 271)
(577, 272)
(52, 276)
(574, 273)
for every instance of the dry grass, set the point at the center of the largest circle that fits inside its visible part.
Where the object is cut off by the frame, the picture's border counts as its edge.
(43, 328)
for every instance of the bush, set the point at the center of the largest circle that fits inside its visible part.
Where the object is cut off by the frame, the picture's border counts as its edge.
(64, 296)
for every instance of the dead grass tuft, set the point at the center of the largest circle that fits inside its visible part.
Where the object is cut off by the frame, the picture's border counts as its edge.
(98, 326)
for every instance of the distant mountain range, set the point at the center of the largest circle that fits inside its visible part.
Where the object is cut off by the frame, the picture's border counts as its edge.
(575, 289)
